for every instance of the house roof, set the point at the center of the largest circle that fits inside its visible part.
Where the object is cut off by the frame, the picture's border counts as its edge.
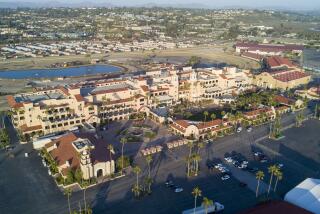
(24, 128)
(252, 55)
(65, 151)
(183, 123)
(109, 91)
(275, 207)
(12, 102)
(209, 124)
(79, 97)
(289, 76)
(277, 61)
(283, 100)
(257, 112)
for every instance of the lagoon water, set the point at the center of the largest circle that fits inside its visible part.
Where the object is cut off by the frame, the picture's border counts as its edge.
(59, 72)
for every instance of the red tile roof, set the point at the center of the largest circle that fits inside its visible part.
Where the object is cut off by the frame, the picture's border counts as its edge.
(283, 100)
(109, 91)
(13, 103)
(64, 90)
(79, 97)
(145, 88)
(209, 124)
(251, 56)
(183, 123)
(65, 151)
(223, 76)
(277, 61)
(275, 207)
(289, 76)
(257, 112)
(24, 128)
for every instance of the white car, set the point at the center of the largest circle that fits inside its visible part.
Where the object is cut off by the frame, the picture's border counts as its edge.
(280, 165)
(239, 129)
(179, 189)
(249, 129)
(225, 177)
(218, 165)
(228, 159)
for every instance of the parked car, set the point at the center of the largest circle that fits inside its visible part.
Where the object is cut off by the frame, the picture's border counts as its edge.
(225, 177)
(242, 184)
(228, 159)
(280, 165)
(253, 170)
(239, 129)
(169, 183)
(179, 189)
(249, 129)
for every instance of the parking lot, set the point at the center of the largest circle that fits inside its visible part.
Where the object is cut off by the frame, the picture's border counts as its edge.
(26, 186)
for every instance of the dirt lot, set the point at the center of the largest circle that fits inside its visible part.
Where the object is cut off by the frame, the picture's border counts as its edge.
(209, 53)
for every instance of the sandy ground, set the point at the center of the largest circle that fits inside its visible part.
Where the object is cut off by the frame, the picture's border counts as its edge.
(209, 53)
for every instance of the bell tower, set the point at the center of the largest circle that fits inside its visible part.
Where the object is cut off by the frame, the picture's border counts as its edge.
(85, 164)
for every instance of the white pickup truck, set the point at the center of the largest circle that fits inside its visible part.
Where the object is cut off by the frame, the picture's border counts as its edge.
(215, 208)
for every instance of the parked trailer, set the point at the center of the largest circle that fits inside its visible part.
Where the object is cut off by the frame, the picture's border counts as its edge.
(216, 208)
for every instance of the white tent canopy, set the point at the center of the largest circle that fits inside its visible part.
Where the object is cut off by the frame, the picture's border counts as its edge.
(306, 195)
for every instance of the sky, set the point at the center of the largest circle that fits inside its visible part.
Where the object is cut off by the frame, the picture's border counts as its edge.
(284, 4)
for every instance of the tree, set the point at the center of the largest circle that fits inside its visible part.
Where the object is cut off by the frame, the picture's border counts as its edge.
(4, 138)
(149, 160)
(85, 185)
(123, 141)
(213, 116)
(299, 119)
(68, 193)
(272, 170)
(259, 177)
(194, 60)
(206, 202)
(205, 114)
(188, 159)
(137, 171)
(78, 175)
(110, 148)
(223, 113)
(122, 160)
(279, 177)
(196, 192)
(196, 158)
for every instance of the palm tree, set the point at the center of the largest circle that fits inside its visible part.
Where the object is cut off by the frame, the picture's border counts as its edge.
(272, 170)
(110, 148)
(68, 193)
(196, 158)
(205, 114)
(85, 186)
(123, 141)
(279, 177)
(213, 116)
(136, 190)
(190, 145)
(299, 119)
(137, 171)
(149, 160)
(196, 192)
(259, 177)
(206, 202)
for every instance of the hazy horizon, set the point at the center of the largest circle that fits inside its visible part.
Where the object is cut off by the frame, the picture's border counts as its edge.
(281, 4)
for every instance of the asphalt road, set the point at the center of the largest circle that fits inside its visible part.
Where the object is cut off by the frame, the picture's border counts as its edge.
(26, 187)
